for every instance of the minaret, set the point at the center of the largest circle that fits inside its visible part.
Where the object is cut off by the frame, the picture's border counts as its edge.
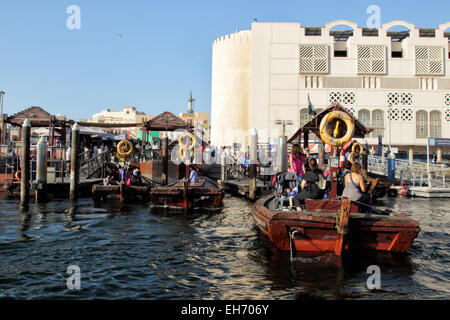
(190, 102)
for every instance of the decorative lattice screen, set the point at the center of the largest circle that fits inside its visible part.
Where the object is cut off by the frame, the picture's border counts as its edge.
(447, 115)
(313, 58)
(400, 114)
(346, 98)
(400, 98)
(447, 99)
(371, 60)
(429, 60)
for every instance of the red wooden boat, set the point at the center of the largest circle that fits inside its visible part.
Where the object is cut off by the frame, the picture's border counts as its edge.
(206, 194)
(319, 228)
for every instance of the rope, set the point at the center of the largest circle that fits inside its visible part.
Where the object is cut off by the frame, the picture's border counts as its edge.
(290, 247)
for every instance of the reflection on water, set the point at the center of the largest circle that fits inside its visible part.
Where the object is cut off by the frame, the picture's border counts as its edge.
(130, 251)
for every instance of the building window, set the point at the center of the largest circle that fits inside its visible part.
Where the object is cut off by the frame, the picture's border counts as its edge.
(428, 84)
(421, 124)
(364, 116)
(313, 58)
(429, 60)
(378, 123)
(371, 59)
(370, 82)
(313, 82)
(435, 124)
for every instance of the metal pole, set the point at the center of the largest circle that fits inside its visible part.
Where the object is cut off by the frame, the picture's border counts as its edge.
(165, 159)
(282, 154)
(390, 126)
(3, 135)
(74, 162)
(41, 175)
(26, 165)
(223, 175)
(428, 154)
(253, 163)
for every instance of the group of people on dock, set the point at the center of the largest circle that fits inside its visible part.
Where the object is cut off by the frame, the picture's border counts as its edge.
(313, 181)
(130, 176)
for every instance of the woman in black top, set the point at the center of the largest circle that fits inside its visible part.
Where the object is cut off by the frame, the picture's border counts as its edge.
(309, 188)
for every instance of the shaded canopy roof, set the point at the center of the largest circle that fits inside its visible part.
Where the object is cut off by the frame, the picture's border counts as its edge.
(167, 120)
(314, 124)
(37, 116)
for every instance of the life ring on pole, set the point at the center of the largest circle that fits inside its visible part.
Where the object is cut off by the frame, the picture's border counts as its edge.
(360, 148)
(18, 175)
(180, 143)
(352, 157)
(327, 119)
(121, 147)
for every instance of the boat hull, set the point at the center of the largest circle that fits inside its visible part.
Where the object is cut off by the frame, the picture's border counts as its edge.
(316, 231)
(206, 194)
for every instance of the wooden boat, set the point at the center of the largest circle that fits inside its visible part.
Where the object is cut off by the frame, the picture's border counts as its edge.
(319, 228)
(206, 194)
(123, 192)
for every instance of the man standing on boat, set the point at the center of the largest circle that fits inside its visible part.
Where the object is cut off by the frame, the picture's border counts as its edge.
(193, 177)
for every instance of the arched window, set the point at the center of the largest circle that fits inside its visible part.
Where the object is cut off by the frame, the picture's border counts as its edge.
(421, 124)
(364, 116)
(397, 33)
(341, 31)
(435, 124)
(378, 123)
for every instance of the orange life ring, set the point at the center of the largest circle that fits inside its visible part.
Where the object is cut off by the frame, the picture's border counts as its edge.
(18, 175)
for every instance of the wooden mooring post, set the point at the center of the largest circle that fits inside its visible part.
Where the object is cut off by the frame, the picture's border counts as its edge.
(26, 165)
(253, 163)
(342, 226)
(74, 162)
(41, 174)
(223, 172)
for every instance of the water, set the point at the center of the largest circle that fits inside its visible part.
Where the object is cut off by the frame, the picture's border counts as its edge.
(130, 252)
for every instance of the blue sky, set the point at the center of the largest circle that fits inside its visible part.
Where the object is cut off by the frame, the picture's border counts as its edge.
(147, 54)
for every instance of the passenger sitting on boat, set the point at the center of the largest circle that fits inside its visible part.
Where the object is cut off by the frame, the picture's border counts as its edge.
(193, 176)
(309, 186)
(355, 188)
(111, 179)
(327, 175)
(341, 177)
(136, 179)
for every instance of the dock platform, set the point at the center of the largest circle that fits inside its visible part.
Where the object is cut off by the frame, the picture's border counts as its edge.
(425, 192)
(240, 187)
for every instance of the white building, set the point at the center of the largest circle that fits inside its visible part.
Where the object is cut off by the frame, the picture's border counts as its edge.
(392, 80)
(126, 115)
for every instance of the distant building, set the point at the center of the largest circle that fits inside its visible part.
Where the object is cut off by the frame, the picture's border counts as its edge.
(126, 115)
(397, 82)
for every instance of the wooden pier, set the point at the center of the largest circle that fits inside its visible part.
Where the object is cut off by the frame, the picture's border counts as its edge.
(123, 192)
(425, 192)
(54, 189)
(241, 187)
